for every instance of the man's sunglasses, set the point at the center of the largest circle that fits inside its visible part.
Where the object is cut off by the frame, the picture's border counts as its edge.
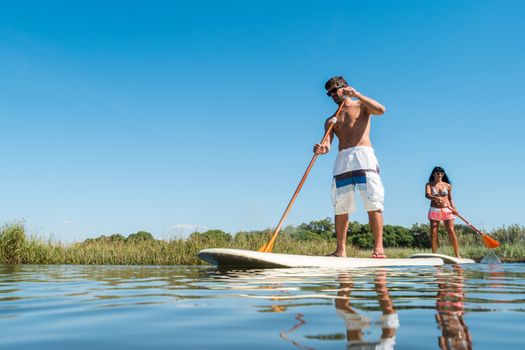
(333, 90)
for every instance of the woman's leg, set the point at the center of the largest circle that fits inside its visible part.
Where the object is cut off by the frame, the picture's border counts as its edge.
(434, 225)
(449, 226)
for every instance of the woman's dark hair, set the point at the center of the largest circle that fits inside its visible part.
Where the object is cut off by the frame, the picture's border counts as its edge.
(439, 169)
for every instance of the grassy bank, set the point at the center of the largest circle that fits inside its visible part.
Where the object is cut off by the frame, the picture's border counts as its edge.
(17, 248)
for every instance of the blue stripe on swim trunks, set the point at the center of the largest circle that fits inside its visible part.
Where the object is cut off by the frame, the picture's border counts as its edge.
(354, 180)
(355, 177)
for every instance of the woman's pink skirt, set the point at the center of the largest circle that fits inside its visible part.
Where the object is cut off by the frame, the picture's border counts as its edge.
(440, 214)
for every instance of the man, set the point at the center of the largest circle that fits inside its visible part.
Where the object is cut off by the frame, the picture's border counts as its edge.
(356, 166)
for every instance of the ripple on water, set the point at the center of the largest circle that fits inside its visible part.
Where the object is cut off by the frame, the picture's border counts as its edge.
(113, 307)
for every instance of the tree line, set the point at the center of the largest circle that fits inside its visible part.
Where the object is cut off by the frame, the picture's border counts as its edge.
(359, 235)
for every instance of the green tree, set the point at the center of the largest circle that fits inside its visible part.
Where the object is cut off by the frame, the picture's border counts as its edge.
(117, 237)
(421, 235)
(360, 236)
(397, 236)
(140, 236)
(211, 236)
(315, 230)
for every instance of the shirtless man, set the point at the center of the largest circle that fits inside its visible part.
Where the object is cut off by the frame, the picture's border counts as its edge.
(356, 166)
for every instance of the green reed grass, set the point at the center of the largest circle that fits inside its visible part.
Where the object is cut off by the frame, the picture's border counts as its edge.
(12, 242)
(16, 248)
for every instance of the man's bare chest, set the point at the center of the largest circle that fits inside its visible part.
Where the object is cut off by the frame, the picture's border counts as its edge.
(353, 117)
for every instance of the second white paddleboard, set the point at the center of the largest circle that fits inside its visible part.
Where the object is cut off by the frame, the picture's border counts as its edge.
(446, 258)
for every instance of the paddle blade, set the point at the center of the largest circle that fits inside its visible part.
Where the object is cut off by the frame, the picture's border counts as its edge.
(267, 248)
(263, 248)
(490, 242)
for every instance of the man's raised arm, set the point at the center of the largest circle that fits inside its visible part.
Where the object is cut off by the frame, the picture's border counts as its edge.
(372, 105)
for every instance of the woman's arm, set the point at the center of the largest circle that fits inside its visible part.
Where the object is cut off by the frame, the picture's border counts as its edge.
(429, 195)
(450, 199)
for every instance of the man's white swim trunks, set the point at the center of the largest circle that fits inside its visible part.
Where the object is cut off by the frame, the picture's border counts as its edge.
(357, 168)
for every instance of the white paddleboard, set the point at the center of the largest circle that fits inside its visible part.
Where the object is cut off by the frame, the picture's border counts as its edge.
(446, 258)
(249, 258)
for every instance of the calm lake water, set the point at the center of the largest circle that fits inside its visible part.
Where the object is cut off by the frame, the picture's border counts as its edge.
(189, 307)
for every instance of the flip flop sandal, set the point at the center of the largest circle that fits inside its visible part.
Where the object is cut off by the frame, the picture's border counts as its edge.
(378, 255)
(334, 255)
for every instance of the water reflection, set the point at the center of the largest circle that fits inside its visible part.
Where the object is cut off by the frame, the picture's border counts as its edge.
(124, 307)
(373, 294)
(356, 323)
(450, 309)
(285, 334)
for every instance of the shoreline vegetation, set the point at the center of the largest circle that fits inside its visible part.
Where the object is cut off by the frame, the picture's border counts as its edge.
(314, 238)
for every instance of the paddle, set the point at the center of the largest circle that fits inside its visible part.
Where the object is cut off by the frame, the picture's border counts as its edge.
(489, 242)
(268, 247)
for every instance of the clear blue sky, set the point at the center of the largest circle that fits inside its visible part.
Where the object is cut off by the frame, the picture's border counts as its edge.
(167, 116)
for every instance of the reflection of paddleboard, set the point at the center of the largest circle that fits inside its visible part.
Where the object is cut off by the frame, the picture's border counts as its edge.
(447, 259)
(249, 258)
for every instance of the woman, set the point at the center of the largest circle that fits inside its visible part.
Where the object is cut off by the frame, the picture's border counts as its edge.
(439, 191)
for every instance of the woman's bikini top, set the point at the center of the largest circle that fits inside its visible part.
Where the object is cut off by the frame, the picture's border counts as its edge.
(442, 193)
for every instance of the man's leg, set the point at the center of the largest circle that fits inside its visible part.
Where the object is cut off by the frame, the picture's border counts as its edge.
(375, 219)
(341, 228)
(373, 195)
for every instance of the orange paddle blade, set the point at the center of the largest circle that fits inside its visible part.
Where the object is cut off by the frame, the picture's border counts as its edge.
(490, 242)
(267, 248)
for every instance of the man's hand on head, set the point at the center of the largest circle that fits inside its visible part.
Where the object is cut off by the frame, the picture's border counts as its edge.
(349, 91)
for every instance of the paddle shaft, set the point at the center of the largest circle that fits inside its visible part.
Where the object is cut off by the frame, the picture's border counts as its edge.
(269, 245)
(466, 222)
(489, 242)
